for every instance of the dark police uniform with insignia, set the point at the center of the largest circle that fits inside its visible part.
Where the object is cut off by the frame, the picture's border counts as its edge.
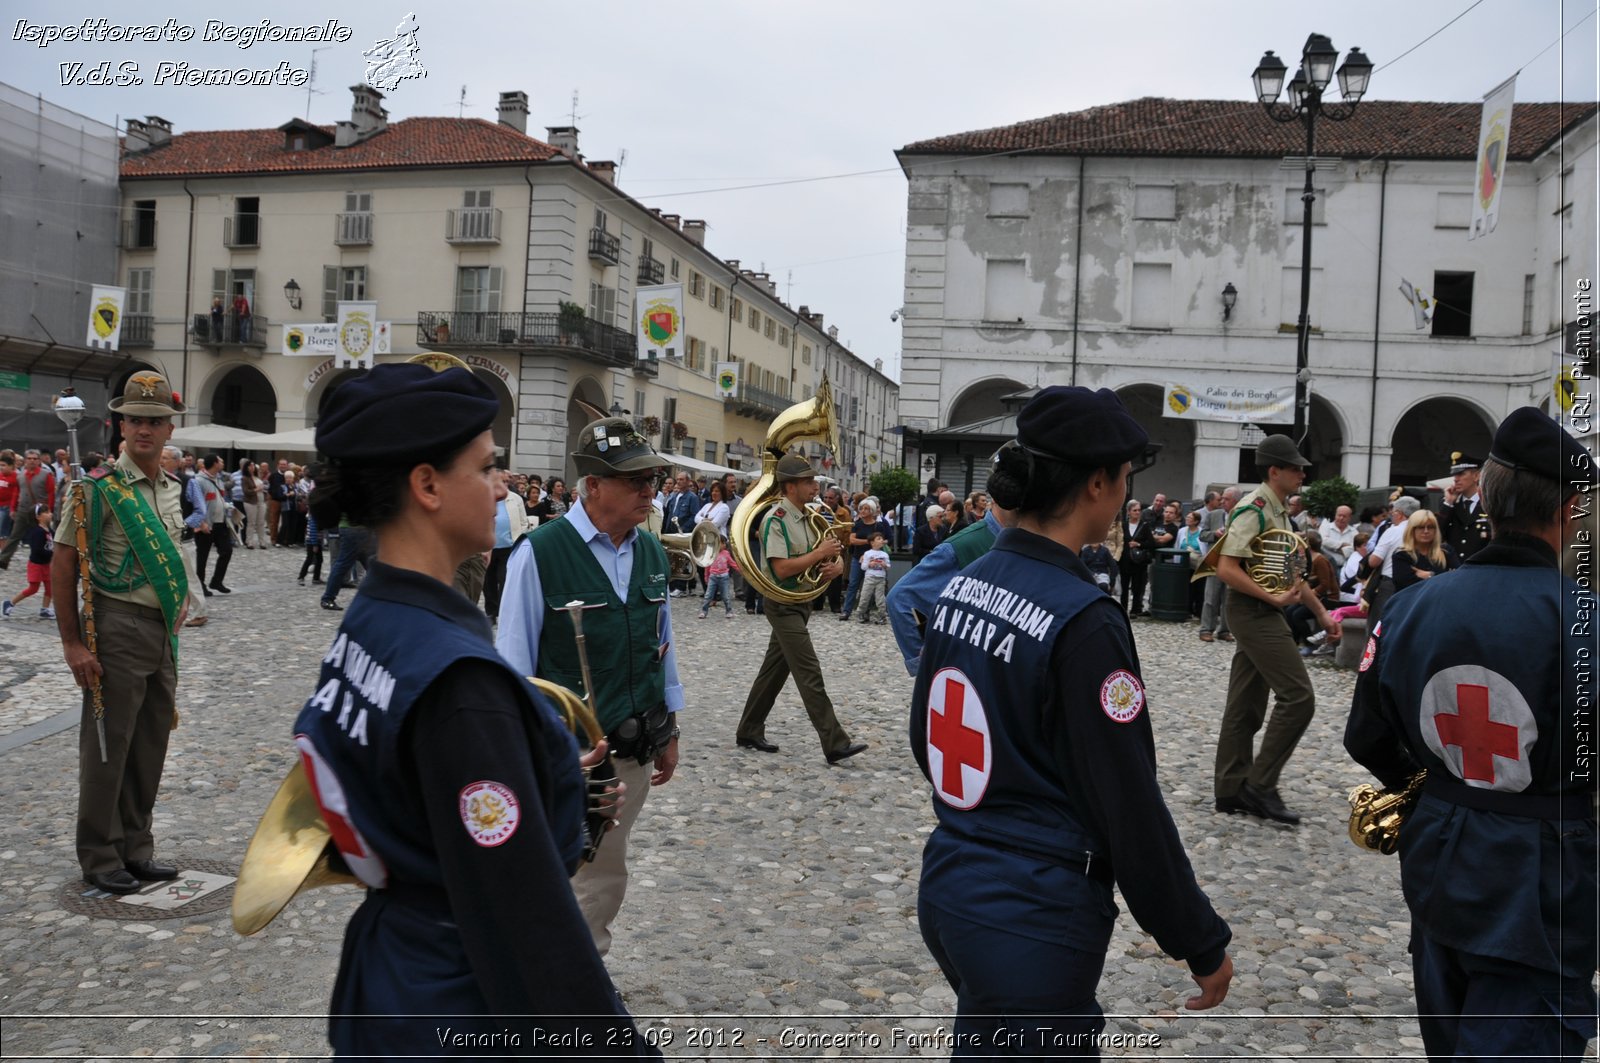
(140, 584)
(452, 791)
(1498, 860)
(1464, 524)
(1029, 717)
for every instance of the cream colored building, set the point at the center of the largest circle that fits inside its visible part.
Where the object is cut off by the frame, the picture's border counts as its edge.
(470, 236)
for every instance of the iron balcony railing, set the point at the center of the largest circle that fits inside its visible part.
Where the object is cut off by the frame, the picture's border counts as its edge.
(589, 339)
(138, 330)
(242, 230)
(603, 247)
(650, 271)
(230, 328)
(353, 228)
(757, 402)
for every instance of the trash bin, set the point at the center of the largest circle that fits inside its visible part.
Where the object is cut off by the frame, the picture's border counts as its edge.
(1169, 585)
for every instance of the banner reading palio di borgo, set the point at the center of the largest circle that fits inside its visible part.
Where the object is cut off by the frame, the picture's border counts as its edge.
(1240, 403)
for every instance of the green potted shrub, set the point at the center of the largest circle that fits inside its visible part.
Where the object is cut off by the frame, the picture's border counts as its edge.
(569, 319)
(1323, 497)
(894, 487)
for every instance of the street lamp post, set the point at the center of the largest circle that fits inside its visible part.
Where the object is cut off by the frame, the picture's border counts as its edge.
(1306, 106)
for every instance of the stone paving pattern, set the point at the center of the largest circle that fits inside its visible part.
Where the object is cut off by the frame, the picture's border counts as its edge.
(769, 892)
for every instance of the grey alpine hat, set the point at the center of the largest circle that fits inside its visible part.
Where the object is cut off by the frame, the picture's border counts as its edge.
(1279, 450)
(613, 447)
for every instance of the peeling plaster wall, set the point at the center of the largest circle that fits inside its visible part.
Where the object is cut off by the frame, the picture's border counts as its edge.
(1237, 221)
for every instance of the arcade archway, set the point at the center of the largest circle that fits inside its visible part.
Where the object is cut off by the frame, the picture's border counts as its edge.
(588, 390)
(243, 398)
(981, 401)
(1426, 434)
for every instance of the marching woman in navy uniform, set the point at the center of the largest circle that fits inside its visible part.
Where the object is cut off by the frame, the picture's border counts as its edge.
(1029, 717)
(1498, 858)
(449, 785)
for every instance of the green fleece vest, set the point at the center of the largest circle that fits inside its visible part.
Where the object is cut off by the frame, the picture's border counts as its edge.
(971, 542)
(623, 640)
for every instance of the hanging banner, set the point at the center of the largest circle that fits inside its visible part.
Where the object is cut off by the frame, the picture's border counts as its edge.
(1237, 403)
(659, 313)
(105, 317)
(358, 335)
(320, 339)
(1494, 140)
(727, 379)
(1421, 305)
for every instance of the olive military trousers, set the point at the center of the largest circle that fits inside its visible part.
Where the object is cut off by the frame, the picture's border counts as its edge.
(1266, 661)
(139, 689)
(790, 650)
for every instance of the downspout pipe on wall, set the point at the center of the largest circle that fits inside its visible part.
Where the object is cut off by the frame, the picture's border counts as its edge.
(1377, 313)
(188, 297)
(1077, 272)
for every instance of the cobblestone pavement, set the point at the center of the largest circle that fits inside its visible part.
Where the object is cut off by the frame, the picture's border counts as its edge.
(773, 897)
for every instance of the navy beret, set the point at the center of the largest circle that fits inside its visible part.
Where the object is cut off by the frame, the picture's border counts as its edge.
(1530, 440)
(1080, 427)
(405, 410)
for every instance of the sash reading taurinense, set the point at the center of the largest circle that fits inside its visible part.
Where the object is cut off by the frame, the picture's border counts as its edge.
(160, 563)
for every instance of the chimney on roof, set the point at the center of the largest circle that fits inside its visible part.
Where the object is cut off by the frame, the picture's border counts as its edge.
(513, 110)
(138, 136)
(733, 263)
(367, 117)
(564, 138)
(772, 285)
(158, 129)
(695, 230)
(816, 322)
(877, 363)
(672, 220)
(833, 330)
(606, 170)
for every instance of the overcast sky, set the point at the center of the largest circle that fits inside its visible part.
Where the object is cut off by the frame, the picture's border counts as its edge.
(708, 96)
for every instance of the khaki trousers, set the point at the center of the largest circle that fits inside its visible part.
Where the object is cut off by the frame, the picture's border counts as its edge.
(469, 577)
(1266, 660)
(602, 884)
(790, 650)
(139, 687)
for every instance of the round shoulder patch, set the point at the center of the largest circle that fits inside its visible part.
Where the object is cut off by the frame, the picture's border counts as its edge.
(1122, 696)
(959, 746)
(1259, 501)
(490, 812)
(1369, 653)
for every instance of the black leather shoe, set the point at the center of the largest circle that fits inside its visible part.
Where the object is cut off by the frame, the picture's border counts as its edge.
(836, 755)
(150, 871)
(118, 881)
(220, 589)
(758, 743)
(1266, 804)
(1231, 804)
(208, 592)
(332, 606)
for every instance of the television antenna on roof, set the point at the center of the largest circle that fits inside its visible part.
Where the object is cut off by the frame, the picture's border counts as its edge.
(311, 80)
(461, 103)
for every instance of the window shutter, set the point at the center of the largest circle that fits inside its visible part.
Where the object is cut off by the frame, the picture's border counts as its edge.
(494, 288)
(219, 284)
(330, 293)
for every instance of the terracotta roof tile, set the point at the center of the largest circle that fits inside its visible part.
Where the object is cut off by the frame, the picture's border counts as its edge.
(1240, 129)
(406, 144)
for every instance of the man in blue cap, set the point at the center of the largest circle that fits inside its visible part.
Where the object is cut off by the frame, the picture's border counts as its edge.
(1498, 857)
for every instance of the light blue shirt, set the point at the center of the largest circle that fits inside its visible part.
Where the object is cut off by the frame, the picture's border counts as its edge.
(917, 590)
(522, 605)
(502, 525)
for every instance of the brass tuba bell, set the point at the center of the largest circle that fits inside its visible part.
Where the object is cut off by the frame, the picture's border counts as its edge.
(696, 548)
(811, 421)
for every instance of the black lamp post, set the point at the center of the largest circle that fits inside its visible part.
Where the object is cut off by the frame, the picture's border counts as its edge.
(1306, 106)
(291, 292)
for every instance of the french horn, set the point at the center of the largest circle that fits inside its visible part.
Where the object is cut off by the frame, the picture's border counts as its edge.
(811, 421)
(292, 850)
(1277, 561)
(698, 548)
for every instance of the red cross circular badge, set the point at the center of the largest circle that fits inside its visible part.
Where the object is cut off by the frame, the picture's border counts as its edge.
(490, 812)
(1122, 696)
(960, 756)
(1477, 722)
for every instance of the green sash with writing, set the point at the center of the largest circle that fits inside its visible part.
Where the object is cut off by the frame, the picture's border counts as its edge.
(160, 562)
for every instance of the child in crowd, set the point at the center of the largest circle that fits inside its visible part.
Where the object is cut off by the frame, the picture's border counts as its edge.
(40, 548)
(313, 561)
(718, 580)
(874, 580)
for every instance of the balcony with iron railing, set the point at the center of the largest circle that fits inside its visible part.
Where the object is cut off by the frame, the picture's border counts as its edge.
(230, 330)
(475, 330)
(138, 330)
(603, 247)
(242, 230)
(353, 228)
(751, 401)
(472, 225)
(650, 271)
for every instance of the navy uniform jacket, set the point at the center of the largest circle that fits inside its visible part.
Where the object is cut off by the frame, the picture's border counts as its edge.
(453, 791)
(1462, 528)
(1499, 857)
(1029, 717)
